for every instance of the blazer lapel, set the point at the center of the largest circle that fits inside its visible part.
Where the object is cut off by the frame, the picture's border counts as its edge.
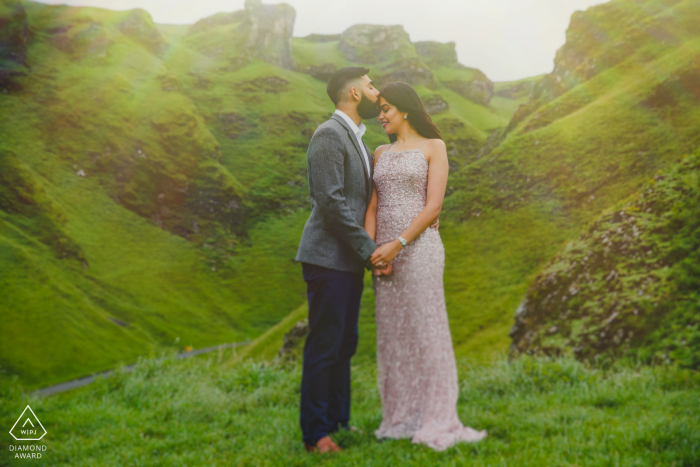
(353, 138)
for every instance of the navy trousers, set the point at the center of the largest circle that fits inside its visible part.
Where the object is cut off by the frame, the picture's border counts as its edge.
(334, 308)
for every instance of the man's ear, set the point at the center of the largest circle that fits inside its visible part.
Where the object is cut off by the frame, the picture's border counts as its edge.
(355, 93)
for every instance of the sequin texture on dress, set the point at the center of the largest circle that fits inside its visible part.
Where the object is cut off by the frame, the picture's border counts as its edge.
(417, 374)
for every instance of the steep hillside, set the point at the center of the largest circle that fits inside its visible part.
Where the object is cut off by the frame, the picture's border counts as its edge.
(578, 147)
(154, 179)
(629, 284)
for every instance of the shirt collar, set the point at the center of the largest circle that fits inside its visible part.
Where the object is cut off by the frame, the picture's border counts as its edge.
(358, 130)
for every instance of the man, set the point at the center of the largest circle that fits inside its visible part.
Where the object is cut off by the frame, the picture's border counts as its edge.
(334, 251)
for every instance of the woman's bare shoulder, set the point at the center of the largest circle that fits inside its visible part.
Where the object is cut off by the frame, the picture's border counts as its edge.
(436, 144)
(435, 148)
(379, 151)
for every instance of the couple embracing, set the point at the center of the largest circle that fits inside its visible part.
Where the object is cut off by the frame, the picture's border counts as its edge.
(378, 212)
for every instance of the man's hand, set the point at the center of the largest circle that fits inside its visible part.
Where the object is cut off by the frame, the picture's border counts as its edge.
(385, 271)
(385, 254)
(436, 223)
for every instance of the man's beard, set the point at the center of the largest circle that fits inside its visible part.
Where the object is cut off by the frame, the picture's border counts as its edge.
(367, 109)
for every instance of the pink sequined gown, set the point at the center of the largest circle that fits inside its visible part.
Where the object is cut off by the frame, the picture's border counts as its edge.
(417, 374)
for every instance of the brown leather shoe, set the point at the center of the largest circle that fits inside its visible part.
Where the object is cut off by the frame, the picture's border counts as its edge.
(310, 448)
(326, 444)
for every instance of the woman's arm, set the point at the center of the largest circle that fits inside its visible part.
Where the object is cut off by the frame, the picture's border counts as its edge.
(371, 215)
(438, 169)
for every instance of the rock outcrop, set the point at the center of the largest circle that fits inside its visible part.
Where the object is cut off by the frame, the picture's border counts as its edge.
(219, 19)
(598, 39)
(435, 104)
(391, 56)
(605, 35)
(293, 341)
(517, 90)
(81, 39)
(14, 34)
(438, 54)
(320, 72)
(322, 37)
(389, 46)
(628, 285)
(269, 31)
(263, 32)
(479, 89)
(411, 70)
(139, 25)
(371, 44)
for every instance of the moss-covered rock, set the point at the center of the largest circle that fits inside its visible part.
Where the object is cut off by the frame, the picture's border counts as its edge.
(435, 104)
(630, 284)
(218, 19)
(323, 37)
(410, 70)
(516, 90)
(372, 44)
(321, 72)
(14, 35)
(605, 35)
(437, 53)
(139, 26)
(258, 32)
(269, 29)
(82, 39)
(479, 89)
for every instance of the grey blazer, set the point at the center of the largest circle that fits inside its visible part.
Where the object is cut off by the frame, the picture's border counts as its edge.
(334, 236)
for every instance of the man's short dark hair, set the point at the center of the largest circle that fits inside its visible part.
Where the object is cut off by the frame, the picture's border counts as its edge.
(340, 80)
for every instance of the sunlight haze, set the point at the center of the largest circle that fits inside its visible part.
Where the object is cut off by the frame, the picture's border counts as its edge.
(506, 39)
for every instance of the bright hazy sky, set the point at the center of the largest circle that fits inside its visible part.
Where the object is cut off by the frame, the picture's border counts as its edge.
(506, 39)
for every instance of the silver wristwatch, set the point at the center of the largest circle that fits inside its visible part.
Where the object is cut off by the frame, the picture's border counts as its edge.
(403, 241)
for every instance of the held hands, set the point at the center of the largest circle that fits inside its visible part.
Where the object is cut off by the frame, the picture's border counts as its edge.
(385, 254)
(383, 272)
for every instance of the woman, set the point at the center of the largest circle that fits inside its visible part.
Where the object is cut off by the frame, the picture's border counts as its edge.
(416, 365)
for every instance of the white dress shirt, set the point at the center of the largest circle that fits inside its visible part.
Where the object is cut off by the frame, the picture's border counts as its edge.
(359, 132)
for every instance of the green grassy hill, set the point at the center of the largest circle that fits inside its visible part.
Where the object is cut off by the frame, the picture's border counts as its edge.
(622, 104)
(154, 184)
(154, 177)
(603, 123)
(571, 151)
(629, 284)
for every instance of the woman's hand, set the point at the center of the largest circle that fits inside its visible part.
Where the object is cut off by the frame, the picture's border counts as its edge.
(385, 254)
(383, 272)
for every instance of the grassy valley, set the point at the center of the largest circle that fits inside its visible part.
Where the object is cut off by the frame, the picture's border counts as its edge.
(154, 177)
(153, 192)
(568, 154)
(156, 184)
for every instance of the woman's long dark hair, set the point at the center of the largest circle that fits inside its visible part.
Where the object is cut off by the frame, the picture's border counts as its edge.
(405, 99)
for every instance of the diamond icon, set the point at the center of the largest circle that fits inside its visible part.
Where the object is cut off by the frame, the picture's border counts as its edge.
(28, 427)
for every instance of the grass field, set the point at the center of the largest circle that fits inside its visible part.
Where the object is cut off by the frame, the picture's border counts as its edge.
(209, 412)
(154, 194)
(184, 228)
